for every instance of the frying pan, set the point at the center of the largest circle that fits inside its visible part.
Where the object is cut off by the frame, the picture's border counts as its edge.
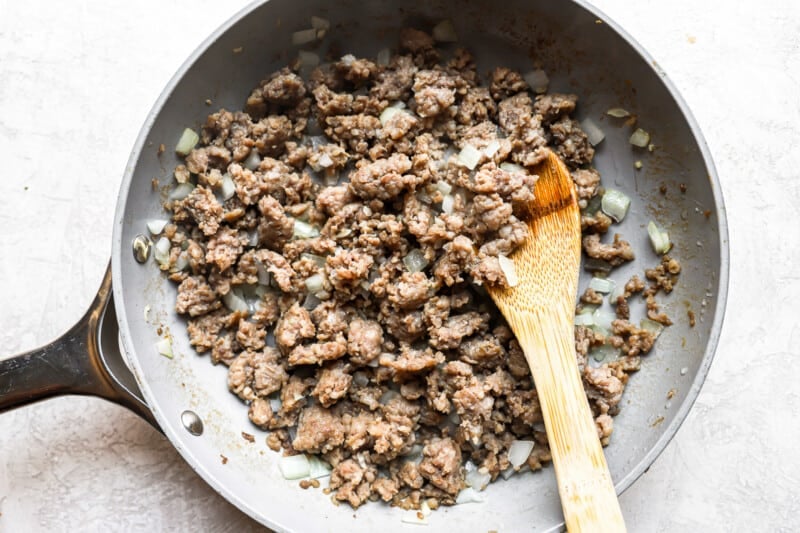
(111, 352)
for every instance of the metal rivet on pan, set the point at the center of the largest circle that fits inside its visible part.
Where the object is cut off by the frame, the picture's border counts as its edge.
(192, 422)
(141, 247)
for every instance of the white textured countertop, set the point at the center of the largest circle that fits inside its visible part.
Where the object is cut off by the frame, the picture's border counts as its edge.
(76, 81)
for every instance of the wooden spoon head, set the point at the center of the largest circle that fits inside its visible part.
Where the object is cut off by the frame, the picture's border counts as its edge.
(548, 262)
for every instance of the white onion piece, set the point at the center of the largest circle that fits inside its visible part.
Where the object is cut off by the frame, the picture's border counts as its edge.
(360, 379)
(164, 347)
(448, 202)
(584, 319)
(383, 57)
(651, 326)
(331, 179)
(304, 230)
(508, 472)
(491, 148)
(388, 113)
(304, 36)
(189, 139)
(311, 302)
(275, 404)
(510, 271)
(161, 251)
(469, 156)
(619, 290)
(156, 225)
(181, 262)
(325, 161)
(640, 138)
(228, 187)
(592, 131)
(537, 80)
(319, 23)
(478, 479)
(604, 352)
(411, 517)
(444, 32)
(468, 495)
(294, 466)
(308, 59)
(443, 187)
(263, 273)
(415, 261)
(317, 259)
(315, 283)
(388, 396)
(617, 112)
(317, 467)
(615, 204)
(511, 167)
(602, 285)
(659, 238)
(234, 302)
(181, 191)
(253, 160)
(603, 319)
(399, 104)
(519, 451)
(348, 59)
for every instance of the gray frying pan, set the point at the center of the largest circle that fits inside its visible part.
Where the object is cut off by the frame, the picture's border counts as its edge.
(111, 352)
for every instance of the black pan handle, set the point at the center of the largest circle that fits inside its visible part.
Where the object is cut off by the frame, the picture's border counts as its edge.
(85, 360)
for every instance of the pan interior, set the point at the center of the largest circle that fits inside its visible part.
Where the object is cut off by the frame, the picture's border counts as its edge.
(581, 54)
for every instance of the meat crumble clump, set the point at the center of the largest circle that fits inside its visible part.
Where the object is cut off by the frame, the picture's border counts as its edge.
(334, 255)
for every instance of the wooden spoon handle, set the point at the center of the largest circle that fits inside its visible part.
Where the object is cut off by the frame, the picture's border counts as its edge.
(588, 498)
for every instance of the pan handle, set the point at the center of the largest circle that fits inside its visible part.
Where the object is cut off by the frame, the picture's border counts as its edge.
(85, 360)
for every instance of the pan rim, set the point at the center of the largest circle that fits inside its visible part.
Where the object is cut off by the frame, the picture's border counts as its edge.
(170, 429)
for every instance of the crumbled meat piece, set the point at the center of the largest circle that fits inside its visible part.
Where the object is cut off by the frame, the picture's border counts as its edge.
(256, 374)
(364, 340)
(415, 41)
(572, 144)
(590, 296)
(587, 182)
(352, 483)
(596, 223)
(204, 208)
(196, 297)
(602, 387)
(555, 105)
(274, 228)
(441, 465)
(283, 88)
(318, 430)
(413, 361)
(347, 268)
(260, 413)
(384, 179)
(314, 354)
(458, 327)
(224, 248)
(411, 290)
(332, 384)
(434, 91)
(293, 327)
(506, 82)
(616, 253)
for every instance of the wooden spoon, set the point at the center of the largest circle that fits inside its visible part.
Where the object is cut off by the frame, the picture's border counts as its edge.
(540, 310)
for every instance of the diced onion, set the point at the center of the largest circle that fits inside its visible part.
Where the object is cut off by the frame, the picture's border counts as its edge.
(388, 396)
(413, 517)
(388, 113)
(294, 466)
(317, 467)
(304, 36)
(399, 104)
(253, 160)
(444, 32)
(304, 230)
(659, 238)
(617, 112)
(325, 161)
(510, 271)
(448, 202)
(592, 264)
(468, 495)
(478, 480)
(181, 263)
(235, 302)
(383, 57)
(537, 80)
(275, 404)
(508, 472)
(156, 225)
(308, 59)
(615, 204)
(228, 187)
(315, 283)
(443, 187)
(415, 261)
(164, 347)
(348, 59)
(469, 156)
(181, 191)
(640, 138)
(519, 451)
(318, 259)
(603, 319)
(584, 319)
(618, 291)
(263, 273)
(602, 285)
(491, 148)
(161, 251)
(592, 131)
(651, 326)
(511, 167)
(311, 302)
(189, 139)
(604, 352)
(319, 23)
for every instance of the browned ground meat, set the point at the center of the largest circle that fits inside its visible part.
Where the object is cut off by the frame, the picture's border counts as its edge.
(341, 281)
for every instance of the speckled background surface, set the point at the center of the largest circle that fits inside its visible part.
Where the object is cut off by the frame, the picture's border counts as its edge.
(76, 81)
